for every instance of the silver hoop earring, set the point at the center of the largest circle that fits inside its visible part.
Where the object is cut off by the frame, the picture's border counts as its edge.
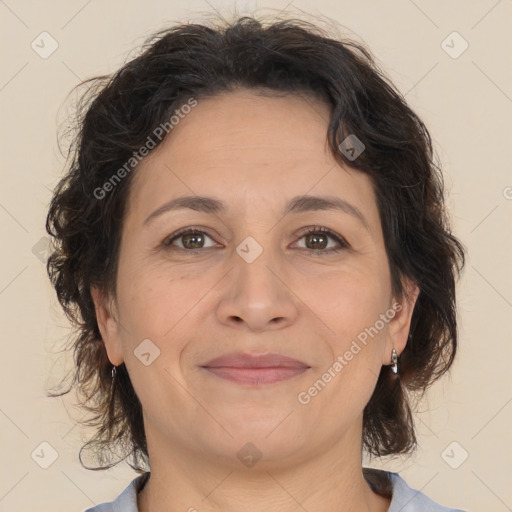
(394, 361)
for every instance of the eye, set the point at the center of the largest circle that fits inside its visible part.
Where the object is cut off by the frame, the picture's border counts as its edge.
(191, 239)
(318, 237)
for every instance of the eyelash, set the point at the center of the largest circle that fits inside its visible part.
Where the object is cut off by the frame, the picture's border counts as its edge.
(312, 230)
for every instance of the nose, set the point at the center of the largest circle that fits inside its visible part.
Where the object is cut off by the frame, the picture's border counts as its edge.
(257, 296)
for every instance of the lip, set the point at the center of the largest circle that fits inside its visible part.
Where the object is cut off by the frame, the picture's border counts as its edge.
(255, 369)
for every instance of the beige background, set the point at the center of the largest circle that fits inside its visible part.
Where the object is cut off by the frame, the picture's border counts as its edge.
(467, 104)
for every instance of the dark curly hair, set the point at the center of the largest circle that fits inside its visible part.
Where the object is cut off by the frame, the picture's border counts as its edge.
(116, 115)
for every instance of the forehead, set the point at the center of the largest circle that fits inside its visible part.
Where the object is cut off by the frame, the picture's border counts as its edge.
(251, 150)
(247, 121)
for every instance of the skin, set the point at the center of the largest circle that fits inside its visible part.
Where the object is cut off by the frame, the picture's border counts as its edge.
(255, 153)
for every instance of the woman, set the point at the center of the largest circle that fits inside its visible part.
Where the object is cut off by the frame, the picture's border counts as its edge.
(252, 241)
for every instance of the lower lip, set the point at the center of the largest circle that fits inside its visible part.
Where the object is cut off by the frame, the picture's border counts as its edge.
(254, 376)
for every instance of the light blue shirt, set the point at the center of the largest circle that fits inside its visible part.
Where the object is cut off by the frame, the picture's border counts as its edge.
(404, 499)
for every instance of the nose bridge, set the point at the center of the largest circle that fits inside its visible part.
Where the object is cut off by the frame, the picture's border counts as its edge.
(256, 264)
(257, 294)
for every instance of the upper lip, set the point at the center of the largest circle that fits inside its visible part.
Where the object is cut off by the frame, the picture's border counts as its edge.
(242, 360)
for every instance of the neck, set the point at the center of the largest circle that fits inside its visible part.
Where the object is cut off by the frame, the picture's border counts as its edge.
(331, 480)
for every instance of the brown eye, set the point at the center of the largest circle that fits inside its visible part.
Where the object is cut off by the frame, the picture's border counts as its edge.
(191, 239)
(317, 241)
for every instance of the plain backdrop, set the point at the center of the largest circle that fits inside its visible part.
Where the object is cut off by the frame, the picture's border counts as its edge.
(464, 95)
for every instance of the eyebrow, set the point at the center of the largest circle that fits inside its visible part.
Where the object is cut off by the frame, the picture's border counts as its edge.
(298, 204)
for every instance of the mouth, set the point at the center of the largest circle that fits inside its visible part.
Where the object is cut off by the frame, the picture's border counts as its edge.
(254, 370)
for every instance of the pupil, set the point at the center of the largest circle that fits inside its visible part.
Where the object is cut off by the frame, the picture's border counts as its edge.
(193, 236)
(315, 239)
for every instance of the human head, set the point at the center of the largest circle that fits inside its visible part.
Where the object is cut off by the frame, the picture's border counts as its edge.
(284, 58)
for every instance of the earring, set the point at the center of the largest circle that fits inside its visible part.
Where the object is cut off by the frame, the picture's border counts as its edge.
(394, 361)
(114, 371)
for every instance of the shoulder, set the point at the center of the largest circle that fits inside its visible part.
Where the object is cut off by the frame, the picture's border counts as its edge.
(126, 501)
(407, 499)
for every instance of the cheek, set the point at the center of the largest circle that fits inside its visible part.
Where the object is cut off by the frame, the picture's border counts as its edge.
(154, 301)
(348, 301)
(155, 306)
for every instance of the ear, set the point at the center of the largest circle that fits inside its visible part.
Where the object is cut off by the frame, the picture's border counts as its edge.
(399, 326)
(108, 325)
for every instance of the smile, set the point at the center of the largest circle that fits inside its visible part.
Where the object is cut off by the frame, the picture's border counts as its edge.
(255, 376)
(255, 369)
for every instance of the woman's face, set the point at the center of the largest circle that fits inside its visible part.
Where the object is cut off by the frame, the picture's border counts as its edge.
(252, 281)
